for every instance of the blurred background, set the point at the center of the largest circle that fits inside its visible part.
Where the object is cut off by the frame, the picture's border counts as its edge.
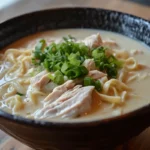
(11, 8)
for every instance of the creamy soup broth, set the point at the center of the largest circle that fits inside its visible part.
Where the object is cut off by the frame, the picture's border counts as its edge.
(140, 94)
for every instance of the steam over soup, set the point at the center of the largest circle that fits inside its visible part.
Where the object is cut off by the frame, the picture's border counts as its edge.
(74, 74)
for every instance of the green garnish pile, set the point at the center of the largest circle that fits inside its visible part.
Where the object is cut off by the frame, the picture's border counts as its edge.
(66, 58)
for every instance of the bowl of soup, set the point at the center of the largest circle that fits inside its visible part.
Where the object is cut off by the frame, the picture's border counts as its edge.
(74, 78)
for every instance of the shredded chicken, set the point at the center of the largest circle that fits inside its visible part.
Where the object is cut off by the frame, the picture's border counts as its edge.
(40, 80)
(89, 64)
(95, 74)
(93, 41)
(58, 91)
(38, 83)
(110, 43)
(103, 80)
(69, 104)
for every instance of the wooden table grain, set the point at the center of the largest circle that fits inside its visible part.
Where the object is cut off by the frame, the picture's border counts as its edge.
(140, 142)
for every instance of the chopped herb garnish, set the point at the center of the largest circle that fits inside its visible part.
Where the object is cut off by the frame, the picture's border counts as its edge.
(65, 59)
(98, 85)
(39, 55)
(20, 94)
(108, 64)
(89, 81)
(58, 77)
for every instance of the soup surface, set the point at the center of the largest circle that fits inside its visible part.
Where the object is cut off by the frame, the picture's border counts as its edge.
(95, 75)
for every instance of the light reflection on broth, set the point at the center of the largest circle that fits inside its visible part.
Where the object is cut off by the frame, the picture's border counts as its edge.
(132, 90)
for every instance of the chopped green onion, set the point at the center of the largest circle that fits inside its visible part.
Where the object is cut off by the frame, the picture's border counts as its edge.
(75, 59)
(76, 72)
(39, 48)
(98, 85)
(65, 67)
(50, 76)
(58, 77)
(66, 59)
(108, 64)
(98, 52)
(38, 53)
(20, 94)
(89, 81)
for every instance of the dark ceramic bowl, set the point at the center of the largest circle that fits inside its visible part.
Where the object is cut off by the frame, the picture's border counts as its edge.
(100, 134)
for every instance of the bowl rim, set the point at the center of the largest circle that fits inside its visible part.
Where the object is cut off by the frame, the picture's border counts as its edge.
(44, 123)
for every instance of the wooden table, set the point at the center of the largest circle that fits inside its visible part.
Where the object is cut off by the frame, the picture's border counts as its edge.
(138, 143)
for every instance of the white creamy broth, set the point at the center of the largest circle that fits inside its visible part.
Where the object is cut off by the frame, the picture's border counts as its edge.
(138, 97)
